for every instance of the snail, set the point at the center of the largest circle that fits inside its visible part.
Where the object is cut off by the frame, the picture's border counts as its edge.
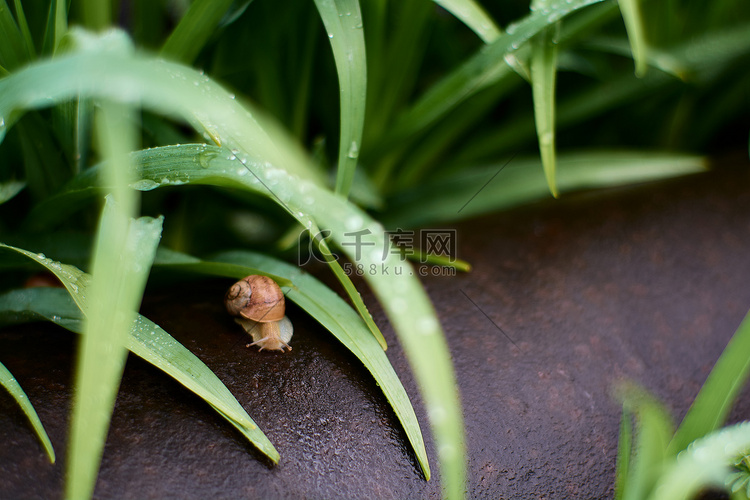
(257, 303)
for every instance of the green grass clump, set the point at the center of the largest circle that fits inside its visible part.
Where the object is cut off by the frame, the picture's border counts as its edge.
(322, 117)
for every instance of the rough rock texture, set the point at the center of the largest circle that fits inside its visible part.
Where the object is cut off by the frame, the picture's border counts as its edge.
(646, 283)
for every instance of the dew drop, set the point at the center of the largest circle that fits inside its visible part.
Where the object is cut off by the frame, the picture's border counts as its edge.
(241, 171)
(330, 35)
(353, 222)
(353, 150)
(145, 185)
(546, 138)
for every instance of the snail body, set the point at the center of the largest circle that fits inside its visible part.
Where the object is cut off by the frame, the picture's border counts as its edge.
(274, 336)
(258, 305)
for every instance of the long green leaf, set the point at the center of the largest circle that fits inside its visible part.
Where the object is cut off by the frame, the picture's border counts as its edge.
(147, 341)
(329, 310)
(23, 25)
(543, 77)
(631, 14)
(8, 381)
(194, 29)
(717, 396)
(474, 16)
(343, 21)
(123, 253)
(514, 182)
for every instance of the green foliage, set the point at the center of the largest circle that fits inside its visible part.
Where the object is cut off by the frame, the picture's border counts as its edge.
(423, 114)
(664, 463)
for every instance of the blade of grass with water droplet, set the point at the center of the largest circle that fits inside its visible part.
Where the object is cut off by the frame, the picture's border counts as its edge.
(8, 381)
(343, 21)
(474, 16)
(146, 340)
(122, 256)
(543, 75)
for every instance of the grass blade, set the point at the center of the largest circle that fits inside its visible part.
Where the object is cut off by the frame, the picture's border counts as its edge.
(654, 429)
(147, 341)
(343, 21)
(57, 25)
(718, 394)
(13, 49)
(472, 15)
(543, 76)
(14, 388)
(631, 14)
(624, 452)
(330, 311)
(23, 25)
(511, 183)
(122, 257)
(194, 29)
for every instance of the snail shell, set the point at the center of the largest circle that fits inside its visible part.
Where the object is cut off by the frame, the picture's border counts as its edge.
(257, 298)
(273, 336)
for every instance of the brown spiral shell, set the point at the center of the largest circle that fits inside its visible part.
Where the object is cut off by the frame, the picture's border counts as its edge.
(257, 298)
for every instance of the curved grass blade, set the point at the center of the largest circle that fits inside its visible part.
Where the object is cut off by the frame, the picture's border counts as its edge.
(194, 29)
(14, 388)
(706, 462)
(329, 310)
(343, 21)
(717, 396)
(162, 86)
(178, 91)
(146, 340)
(631, 14)
(474, 16)
(486, 189)
(543, 76)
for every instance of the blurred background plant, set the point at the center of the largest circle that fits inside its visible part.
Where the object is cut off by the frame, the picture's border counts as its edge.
(220, 124)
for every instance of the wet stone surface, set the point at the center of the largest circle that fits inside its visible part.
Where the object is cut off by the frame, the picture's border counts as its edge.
(566, 298)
